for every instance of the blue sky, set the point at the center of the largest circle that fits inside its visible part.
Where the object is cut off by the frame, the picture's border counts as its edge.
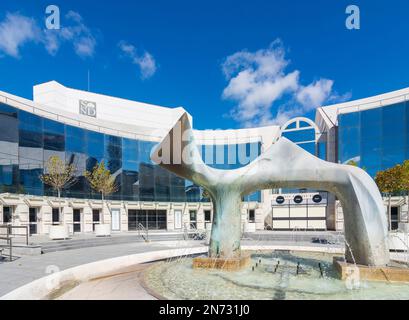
(229, 63)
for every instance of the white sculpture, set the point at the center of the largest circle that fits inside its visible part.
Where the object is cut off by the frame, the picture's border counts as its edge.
(283, 165)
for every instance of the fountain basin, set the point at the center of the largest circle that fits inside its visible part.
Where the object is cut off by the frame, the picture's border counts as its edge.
(222, 263)
(277, 275)
(393, 273)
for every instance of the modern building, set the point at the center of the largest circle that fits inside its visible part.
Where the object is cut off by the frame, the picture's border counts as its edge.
(84, 128)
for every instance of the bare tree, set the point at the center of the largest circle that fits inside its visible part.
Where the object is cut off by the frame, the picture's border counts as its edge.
(389, 181)
(58, 175)
(102, 181)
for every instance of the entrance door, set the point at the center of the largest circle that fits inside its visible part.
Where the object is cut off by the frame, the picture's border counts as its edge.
(77, 220)
(395, 218)
(178, 219)
(95, 218)
(33, 220)
(193, 219)
(116, 223)
(7, 215)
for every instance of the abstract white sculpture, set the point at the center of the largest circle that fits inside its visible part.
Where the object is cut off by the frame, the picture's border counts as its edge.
(283, 165)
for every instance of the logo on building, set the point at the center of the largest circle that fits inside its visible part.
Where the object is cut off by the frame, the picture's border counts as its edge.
(88, 108)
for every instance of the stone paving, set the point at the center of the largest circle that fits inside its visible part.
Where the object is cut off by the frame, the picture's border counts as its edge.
(29, 268)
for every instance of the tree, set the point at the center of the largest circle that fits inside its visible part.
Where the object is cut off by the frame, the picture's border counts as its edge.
(389, 182)
(205, 194)
(405, 183)
(355, 164)
(58, 175)
(102, 181)
(352, 163)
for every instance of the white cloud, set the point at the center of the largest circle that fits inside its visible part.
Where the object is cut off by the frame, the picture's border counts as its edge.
(17, 30)
(146, 62)
(313, 95)
(258, 82)
(75, 32)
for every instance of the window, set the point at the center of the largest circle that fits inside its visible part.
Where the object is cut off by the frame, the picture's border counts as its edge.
(252, 216)
(193, 218)
(33, 220)
(77, 220)
(395, 218)
(95, 218)
(208, 215)
(152, 219)
(7, 215)
(56, 216)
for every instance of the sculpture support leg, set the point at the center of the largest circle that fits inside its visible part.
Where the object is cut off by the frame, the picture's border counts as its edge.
(226, 228)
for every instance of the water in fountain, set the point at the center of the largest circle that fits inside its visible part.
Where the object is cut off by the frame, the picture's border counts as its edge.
(275, 277)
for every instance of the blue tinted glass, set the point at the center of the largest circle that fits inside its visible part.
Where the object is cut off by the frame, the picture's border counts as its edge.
(146, 182)
(8, 124)
(322, 150)
(53, 135)
(309, 147)
(130, 155)
(75, 139)
(144, 151)
(113, 153)
(292, 125)
(392, 157)
(349, 144)
(30, 182)
(162, 185)
(371, 118)
(9, 175)
(300, 135)
(30, 130)
(349, 120)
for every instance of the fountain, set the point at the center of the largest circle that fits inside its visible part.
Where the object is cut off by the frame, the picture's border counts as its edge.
(283, 165)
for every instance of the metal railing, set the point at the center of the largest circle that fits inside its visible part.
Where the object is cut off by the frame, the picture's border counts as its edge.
(193, 231)
(9, 235)
(389, 101)
(144, 230)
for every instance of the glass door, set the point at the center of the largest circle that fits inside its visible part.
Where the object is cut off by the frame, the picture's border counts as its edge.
(77, 220)
(56, 216)
(33, 220)
(95, 218)
(7, 215)
(193, 219)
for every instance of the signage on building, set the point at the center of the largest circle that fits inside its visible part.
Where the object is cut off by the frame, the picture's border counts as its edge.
(298, 199)
(88, 108)
(317, 198)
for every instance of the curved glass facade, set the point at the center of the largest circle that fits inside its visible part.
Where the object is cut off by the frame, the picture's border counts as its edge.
(376, 139)
(28, 140)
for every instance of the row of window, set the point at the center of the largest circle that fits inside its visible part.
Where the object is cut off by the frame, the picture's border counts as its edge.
(151, 219)
(27, 141)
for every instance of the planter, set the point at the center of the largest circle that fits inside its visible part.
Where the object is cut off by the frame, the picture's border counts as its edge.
(58, 232)
(102, 230)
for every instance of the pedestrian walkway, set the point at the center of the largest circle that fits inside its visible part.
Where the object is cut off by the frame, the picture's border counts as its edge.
(29, 268)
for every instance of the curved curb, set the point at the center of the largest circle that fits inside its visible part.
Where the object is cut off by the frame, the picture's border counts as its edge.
(41, 288)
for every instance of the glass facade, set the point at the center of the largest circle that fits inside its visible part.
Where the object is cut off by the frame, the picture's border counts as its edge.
(27, 141)
(375, 139)
(305, 137)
